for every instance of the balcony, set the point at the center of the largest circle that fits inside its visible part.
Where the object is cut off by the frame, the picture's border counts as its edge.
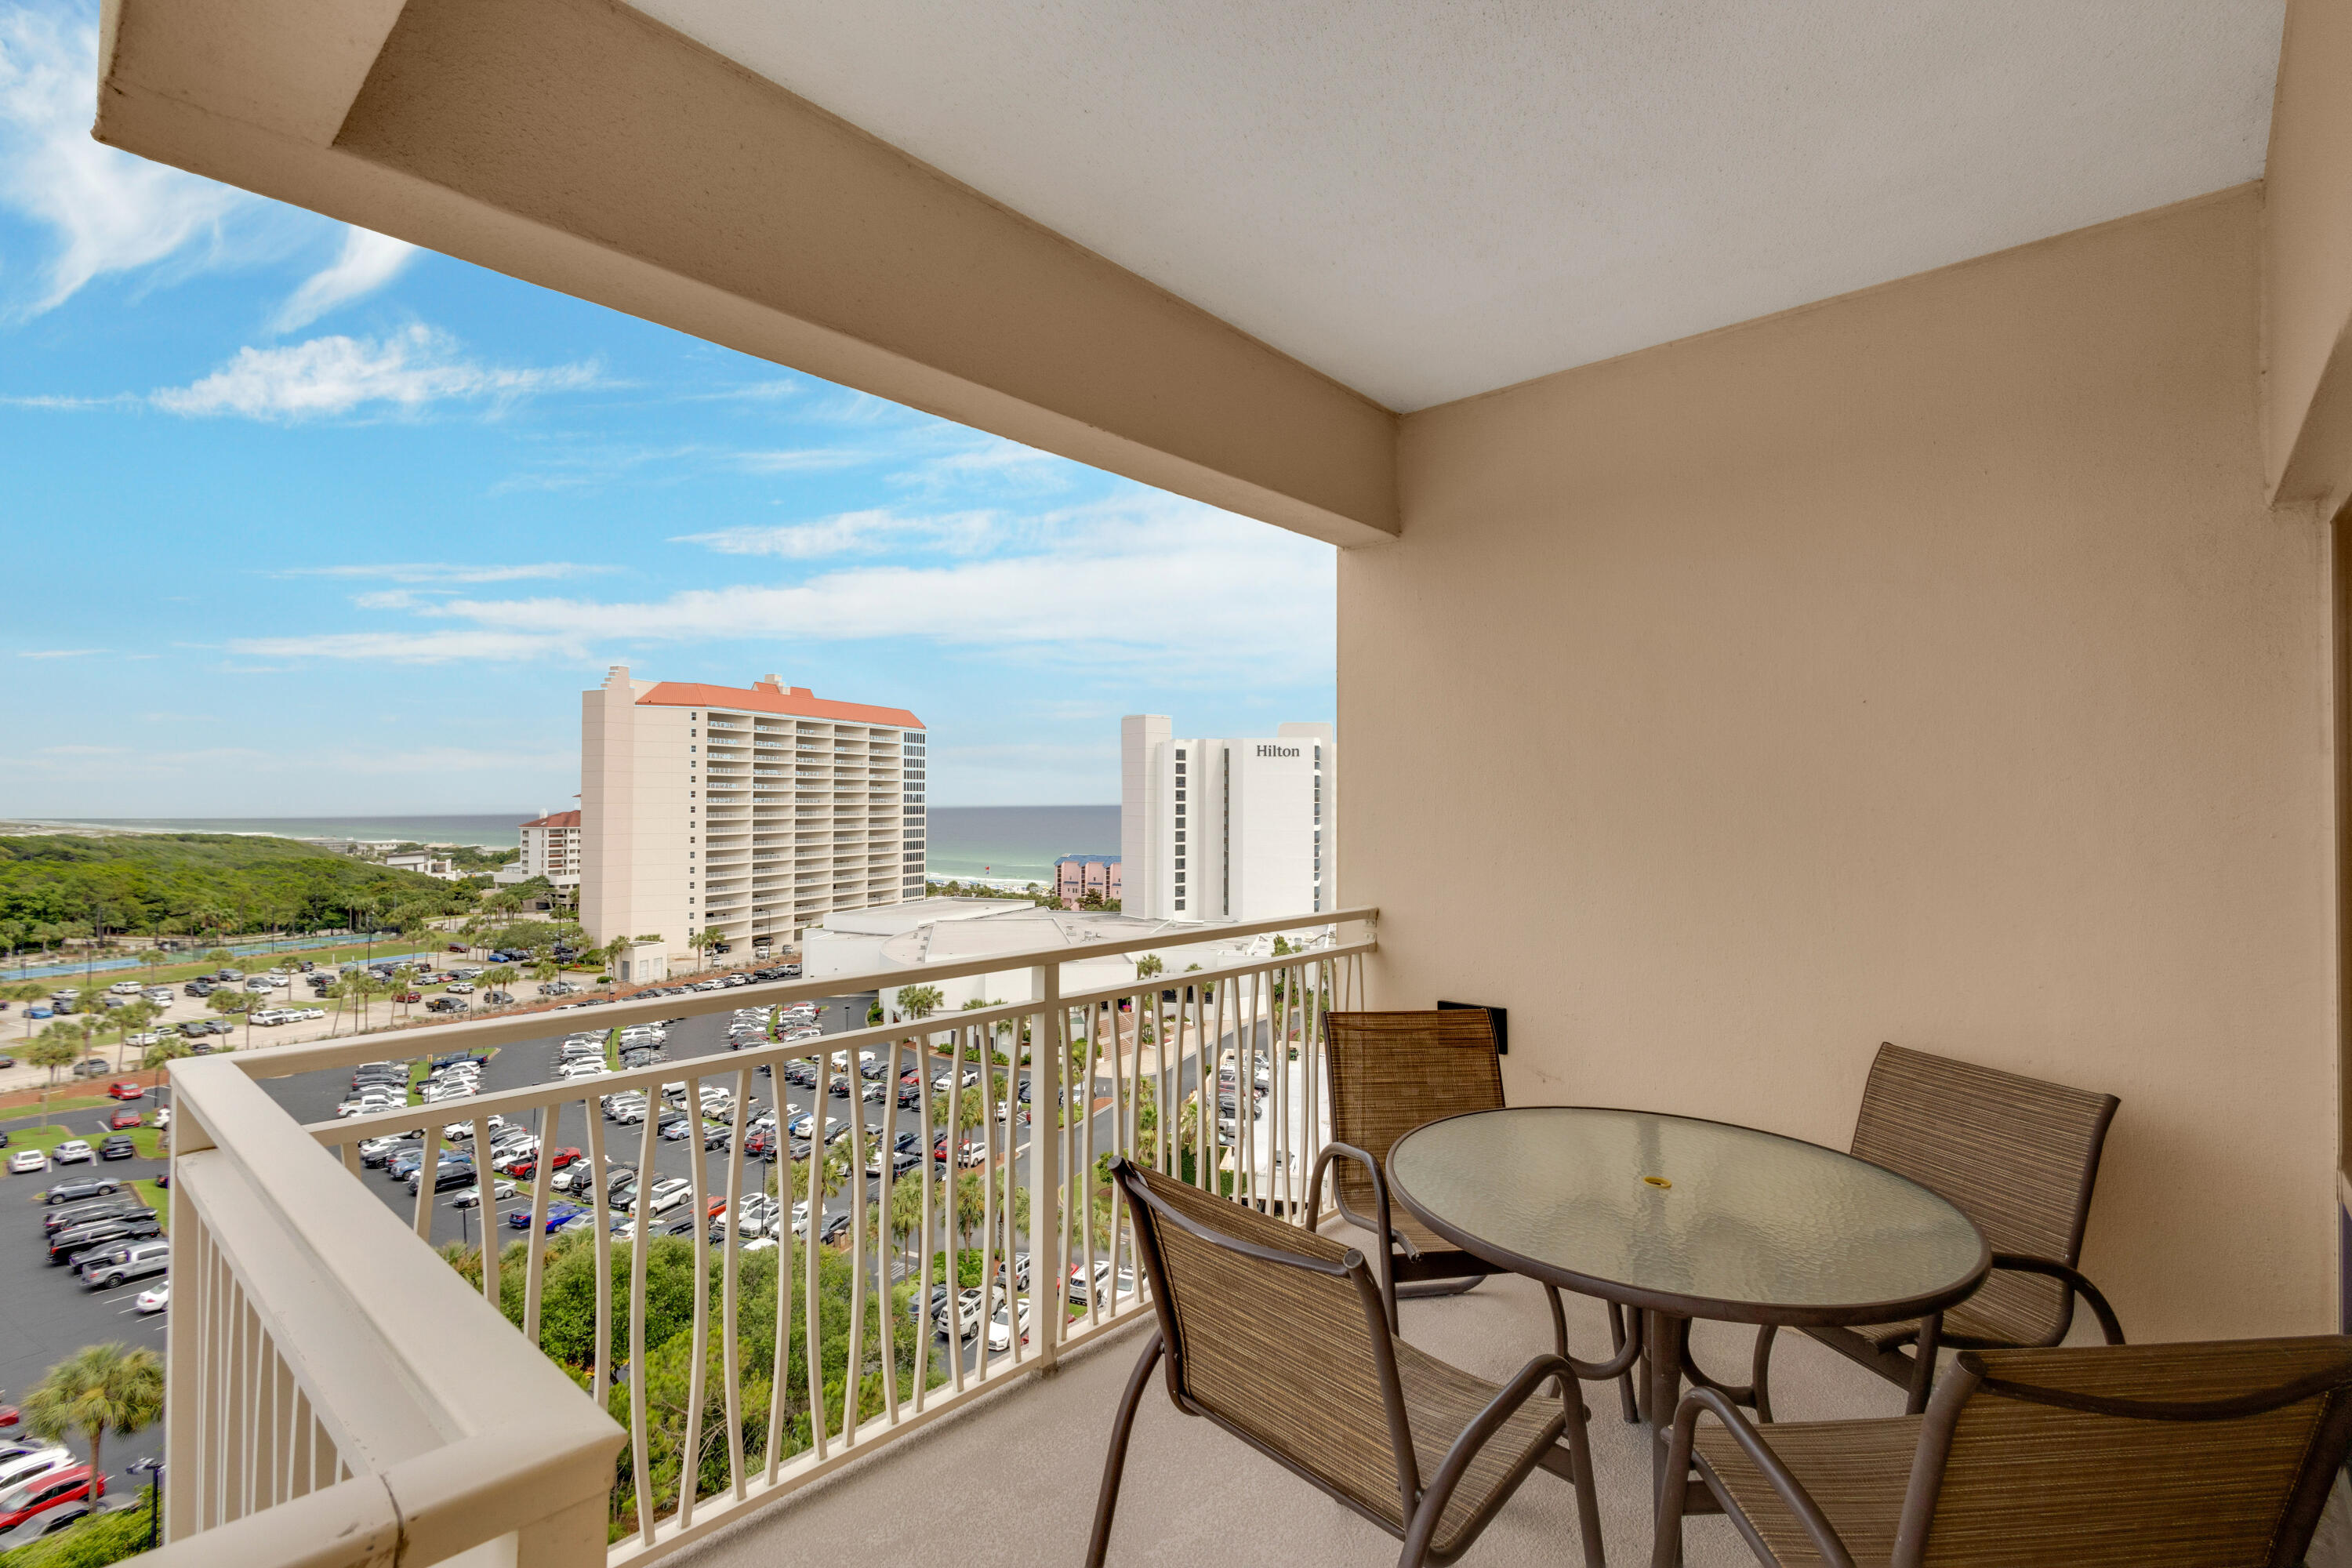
(336, 1385)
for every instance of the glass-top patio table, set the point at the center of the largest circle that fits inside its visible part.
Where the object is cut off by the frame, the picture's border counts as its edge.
(1682, 1218)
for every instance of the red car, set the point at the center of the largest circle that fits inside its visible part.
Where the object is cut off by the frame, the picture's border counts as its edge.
(409, 996)
(122, 1120)
(126, 1088)
(528, 1167)
(46, 1491)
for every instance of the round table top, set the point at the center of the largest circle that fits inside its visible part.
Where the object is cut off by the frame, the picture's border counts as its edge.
(1702, 1219)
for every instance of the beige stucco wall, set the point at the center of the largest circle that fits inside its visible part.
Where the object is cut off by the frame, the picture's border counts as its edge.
(2307, 259)
(1925, 666)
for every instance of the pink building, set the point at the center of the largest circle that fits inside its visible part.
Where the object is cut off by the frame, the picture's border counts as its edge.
(1075, 876)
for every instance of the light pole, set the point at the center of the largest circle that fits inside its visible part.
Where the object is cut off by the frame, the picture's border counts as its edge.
(153, 1470)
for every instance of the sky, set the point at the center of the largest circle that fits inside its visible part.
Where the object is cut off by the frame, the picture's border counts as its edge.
(298, 518)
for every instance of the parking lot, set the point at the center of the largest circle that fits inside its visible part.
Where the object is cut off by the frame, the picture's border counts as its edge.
(46, 1314)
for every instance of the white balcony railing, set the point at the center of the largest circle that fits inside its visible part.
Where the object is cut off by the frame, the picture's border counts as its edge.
(339, 1394)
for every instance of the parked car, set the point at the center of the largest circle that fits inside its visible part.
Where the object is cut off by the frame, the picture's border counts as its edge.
(60, 1219)
(118, 1147)
(27, 1162)
(73, 1151)
(668, 1193)
(154, 1301)
(122, 1120)
(125, 1088)
(445, 1005)
(447, 1174)
(472, 1196)
(558, 1216)
(113, 1265)
(58, 1489)
(92, 1066)
(75, 1240)
(1001, 1326)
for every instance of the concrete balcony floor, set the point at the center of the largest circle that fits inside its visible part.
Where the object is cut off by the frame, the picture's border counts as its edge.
(1014, 1479)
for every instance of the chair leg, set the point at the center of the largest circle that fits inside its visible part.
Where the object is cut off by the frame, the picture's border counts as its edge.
(1923, 1363)
(1761, 1372)
(1588, 1501)
(1107, 1503)
(1616, 1348)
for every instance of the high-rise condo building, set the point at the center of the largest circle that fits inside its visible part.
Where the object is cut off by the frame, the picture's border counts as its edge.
(1225, 829)
(550, 848)
(748, 811)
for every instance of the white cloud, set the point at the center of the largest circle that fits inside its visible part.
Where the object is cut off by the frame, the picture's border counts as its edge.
(368, 262)
(991, 461)
(58, 652)
(110, 212)
(406, 648)
(1190, 592)
(854, 532)
(408, 370)
(804, 459)
(447, 572)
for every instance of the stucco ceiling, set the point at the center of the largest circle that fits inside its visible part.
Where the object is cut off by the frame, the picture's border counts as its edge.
(1430, 200)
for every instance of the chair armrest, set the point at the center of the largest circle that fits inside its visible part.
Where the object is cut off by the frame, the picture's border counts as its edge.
(2023, 1263)
(1431, 1506)
(1380, 1209)
(1800, 1502)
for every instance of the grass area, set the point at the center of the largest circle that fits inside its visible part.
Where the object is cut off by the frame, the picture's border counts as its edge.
(57, 1104)
(155, 1198)
(146, 1140)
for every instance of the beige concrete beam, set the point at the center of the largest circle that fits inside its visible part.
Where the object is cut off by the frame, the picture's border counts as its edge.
(2308, 261)
(584, 147)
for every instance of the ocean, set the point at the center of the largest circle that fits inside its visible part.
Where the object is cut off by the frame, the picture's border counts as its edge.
(1017, 842)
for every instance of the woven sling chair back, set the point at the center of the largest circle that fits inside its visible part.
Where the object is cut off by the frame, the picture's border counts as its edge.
(2017, 1155)
(2215, 1455)
(1392, 1072)
(1280, 1334)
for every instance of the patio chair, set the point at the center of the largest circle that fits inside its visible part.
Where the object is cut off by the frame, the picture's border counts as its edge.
(1392, 1072)
(2192, 1455)
(1281, 1337)
(2018, 1156)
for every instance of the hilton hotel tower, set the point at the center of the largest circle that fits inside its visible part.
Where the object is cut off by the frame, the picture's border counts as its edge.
(1225, 829)
(753, 811)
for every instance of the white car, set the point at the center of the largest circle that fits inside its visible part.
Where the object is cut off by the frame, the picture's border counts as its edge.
(999, 1327)
(471, 1197)
(124, 988)
(73, 1151)
(458, 1132)
(668, 1193)
(27, 1162)
(155, 1301)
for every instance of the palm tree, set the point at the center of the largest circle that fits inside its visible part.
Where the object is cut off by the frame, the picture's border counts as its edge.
(127, 1021)
(151, 961)
(236, 1005)
(27, 992)
(920, 1001)
(56, 1047)
(404, 980)
(499, 977)
(96, 1390)
(544, 972)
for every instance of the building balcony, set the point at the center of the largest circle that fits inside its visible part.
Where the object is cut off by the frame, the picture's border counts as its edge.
(336, 1386)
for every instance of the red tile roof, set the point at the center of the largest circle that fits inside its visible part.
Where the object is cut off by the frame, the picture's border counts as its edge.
(558, 819)
(766, 699)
